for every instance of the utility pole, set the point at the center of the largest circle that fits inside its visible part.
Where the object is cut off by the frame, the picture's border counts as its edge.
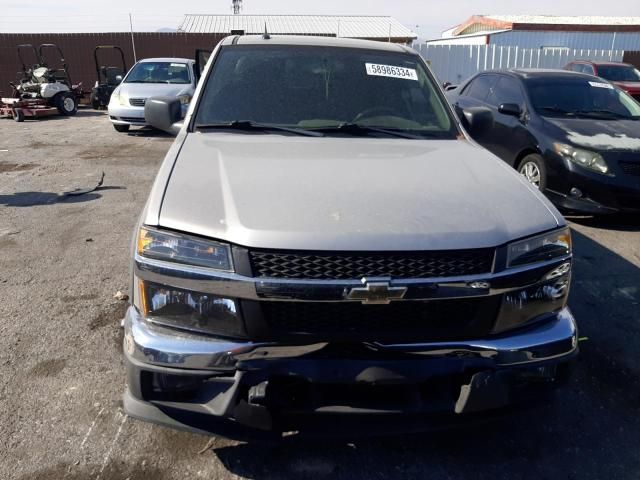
(133, 42)
(237, 6)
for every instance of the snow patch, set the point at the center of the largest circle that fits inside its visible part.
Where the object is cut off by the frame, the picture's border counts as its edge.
(605, 141)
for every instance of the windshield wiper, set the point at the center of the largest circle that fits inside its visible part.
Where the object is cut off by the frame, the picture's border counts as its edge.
(363, 130)
(557, 110)
(247, 125)
(600, 112)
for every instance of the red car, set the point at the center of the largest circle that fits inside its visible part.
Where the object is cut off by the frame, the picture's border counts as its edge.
(624, 75)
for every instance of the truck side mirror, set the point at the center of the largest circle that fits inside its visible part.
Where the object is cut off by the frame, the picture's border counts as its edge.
(164, 113)
(478, 120)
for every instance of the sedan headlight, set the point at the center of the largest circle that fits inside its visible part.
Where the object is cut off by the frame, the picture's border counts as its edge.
(540, 248)
(117, 98)
(187, 250)
(585, 158)
(184, 99)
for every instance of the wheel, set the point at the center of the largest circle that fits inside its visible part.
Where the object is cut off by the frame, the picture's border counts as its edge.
(95, 101)
(532, 167)
(66, 103)
(121, 128)
(18, 115)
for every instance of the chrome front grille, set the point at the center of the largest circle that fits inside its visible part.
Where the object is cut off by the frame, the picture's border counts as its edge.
(137, 102)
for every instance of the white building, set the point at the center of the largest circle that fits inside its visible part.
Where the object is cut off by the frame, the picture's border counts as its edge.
(546, 32)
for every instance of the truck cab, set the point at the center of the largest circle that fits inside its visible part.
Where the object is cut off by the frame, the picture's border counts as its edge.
(325, 247)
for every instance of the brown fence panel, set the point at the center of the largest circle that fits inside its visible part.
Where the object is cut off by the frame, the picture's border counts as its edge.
(633, 58)
(78, 51)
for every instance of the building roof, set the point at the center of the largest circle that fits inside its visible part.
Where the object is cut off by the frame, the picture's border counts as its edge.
(322, 25)
(491, 23)
(575, 20)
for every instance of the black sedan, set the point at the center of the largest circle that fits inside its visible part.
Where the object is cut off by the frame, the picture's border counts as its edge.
(574, 136)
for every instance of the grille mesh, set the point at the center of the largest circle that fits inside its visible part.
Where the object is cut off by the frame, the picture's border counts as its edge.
(631, 168)
(408, 320)
(137, 102)
(348, 266)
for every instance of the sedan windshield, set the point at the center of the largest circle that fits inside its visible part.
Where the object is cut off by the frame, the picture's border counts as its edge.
(581, 97)
(619, 73)
(335, 91)
(159, 72)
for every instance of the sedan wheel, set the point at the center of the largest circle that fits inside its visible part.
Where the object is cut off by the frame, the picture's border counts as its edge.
(531, 172)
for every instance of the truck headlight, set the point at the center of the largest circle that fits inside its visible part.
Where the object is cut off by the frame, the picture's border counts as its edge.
(540, 248)
(585, 158)
(188, 310)
(187, 250)
(184, 99)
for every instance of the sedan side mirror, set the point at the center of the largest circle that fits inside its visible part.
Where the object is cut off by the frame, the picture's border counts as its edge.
(478, 120)
(118, 79)
(164, 113)
(511, 109)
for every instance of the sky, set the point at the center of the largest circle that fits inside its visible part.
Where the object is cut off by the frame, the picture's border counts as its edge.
(428, 18)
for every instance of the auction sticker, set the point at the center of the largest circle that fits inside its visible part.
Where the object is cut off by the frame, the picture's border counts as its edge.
(391, 71)
(601, 85)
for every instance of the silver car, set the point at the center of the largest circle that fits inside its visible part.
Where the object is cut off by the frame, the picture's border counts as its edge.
(325, 247)
(152, 77)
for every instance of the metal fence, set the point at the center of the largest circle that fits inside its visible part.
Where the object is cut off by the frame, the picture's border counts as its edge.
(455, 63)
(78, 51)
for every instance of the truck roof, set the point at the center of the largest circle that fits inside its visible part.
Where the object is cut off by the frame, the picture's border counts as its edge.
(300, 40)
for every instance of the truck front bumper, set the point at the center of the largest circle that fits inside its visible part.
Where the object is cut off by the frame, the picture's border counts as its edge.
(244, 390)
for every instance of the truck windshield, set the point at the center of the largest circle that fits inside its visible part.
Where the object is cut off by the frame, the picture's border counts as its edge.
(159, 72)
(581, 98)
(339, 91)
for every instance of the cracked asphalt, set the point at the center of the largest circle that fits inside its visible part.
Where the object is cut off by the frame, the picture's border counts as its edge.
(62, 259)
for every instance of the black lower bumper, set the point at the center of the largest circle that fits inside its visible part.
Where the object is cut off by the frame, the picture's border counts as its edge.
(334, 397)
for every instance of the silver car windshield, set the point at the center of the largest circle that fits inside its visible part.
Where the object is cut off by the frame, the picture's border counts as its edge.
(341, 91)
(159, 72)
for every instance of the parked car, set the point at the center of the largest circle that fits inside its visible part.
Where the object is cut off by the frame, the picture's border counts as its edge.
(574, 136)
(324, 244)
(623, 75)
(151, 77)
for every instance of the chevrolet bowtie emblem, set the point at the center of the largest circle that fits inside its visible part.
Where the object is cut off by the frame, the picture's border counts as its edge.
(376, 293)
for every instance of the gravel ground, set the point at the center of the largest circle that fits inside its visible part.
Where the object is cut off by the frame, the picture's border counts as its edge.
(62, 376)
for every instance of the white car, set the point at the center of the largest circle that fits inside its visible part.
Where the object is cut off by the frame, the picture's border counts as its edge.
(152, 77)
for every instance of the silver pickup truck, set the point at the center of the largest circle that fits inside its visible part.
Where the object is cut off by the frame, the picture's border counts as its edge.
(324, 248)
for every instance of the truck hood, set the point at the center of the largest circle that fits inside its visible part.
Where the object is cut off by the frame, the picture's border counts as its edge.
(302, 193)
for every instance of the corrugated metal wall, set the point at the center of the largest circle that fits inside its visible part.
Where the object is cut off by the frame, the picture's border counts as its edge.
(78, 50)
(455, 63)
(573, 40)
(633, 58)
